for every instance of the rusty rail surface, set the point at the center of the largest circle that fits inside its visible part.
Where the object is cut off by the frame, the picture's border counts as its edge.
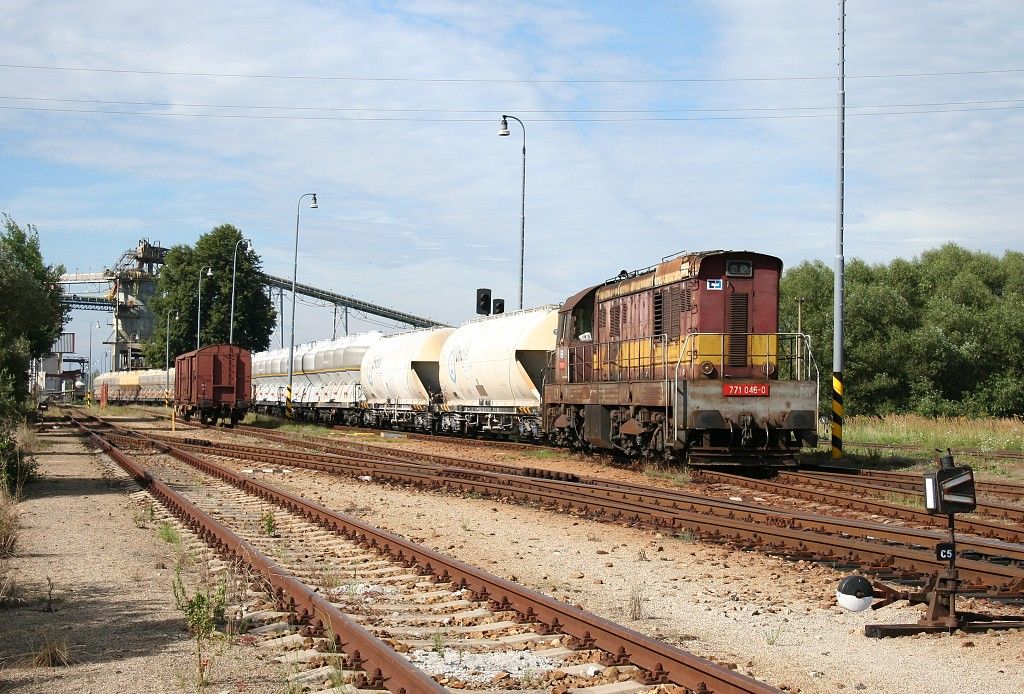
(744, 524)
(660, 661)
(980, 528)
(906, 480)
(986, 508)
(362, 650)
(972, 452)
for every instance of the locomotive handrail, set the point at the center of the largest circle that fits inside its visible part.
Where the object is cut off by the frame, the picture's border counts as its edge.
(801, 339)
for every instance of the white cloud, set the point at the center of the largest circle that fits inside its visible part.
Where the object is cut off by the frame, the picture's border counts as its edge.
(416, 214)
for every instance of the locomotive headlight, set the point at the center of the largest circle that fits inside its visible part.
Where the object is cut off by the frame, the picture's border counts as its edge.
(739, 268)
(708, 369)
(854, 593)
(769, 368)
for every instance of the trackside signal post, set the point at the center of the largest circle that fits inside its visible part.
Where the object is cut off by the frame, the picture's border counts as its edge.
(947, 491)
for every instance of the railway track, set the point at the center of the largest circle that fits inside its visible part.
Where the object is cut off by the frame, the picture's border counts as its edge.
(906, 489)
(884, 549)
(910, 481)
(418, 593)
(970, 452)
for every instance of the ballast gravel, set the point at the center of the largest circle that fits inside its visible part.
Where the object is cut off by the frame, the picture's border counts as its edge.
(759, 614)
(482, 667)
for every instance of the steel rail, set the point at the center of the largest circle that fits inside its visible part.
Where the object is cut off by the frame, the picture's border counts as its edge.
(910, 481)
(980, 528)
(332, 462)
(987, 508)
(363, 650)
(734, 522)
(661, 662)
(972, 452)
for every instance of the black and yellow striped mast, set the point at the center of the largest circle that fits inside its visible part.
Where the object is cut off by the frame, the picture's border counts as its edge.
(837, 292)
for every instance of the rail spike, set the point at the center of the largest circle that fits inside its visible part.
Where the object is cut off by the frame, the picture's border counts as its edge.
(656, 675)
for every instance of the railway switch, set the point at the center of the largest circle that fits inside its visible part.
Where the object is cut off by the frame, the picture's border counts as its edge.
(947, 491)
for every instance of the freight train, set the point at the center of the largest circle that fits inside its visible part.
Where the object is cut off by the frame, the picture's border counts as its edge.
(681, 360)
(212, 384)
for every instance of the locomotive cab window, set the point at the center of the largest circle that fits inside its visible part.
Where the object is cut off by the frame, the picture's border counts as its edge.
(583, 323)
(739, 268)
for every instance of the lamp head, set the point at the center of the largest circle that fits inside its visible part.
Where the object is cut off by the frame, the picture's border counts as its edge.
(247, 243)
(503, 128)
(313, 204)
(209, 272)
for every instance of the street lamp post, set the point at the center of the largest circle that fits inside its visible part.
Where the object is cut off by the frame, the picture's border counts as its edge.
(167, 356)
(295, 272)
(97, 324)
(199, 305)
(503, 132)
(234, 266)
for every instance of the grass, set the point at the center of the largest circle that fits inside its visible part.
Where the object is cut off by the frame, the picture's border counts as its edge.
(542, 454)
(268, 524)
(771, 634)
(635, 601)
(904, 500)
(943, 432)
(669, 474)
(53, 651)
(169, 534)
(144, 515)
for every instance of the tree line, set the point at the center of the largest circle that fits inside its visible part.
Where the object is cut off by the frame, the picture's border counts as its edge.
(939, 335)
(31, 314)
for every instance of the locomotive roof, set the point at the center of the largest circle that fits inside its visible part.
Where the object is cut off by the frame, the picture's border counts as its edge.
(671, 269)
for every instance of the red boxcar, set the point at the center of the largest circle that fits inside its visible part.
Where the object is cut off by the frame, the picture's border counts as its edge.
(213, 383)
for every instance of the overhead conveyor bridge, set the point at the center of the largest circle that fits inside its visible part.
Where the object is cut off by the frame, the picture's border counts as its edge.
(349, 302)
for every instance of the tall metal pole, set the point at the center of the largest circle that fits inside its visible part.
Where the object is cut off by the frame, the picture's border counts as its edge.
(90, 352)
(280, 312)
(346, 320)
(522, 211)
(234, 266)
(295, 272)
(199, 305)
(837, 291)
(167, 357)
(334, 324)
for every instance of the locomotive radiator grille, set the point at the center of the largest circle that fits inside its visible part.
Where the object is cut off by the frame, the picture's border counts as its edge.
(738, 322)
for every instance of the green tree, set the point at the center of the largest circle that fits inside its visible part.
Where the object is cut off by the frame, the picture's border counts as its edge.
(941, 334)
(31, 315)
(177, 287)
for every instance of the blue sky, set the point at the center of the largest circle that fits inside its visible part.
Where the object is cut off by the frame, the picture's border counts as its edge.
(419, 197)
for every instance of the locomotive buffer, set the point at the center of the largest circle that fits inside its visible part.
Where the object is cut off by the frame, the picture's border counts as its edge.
(947, 491)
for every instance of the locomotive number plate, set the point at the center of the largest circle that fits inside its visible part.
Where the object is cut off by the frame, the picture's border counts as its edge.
(746, 389)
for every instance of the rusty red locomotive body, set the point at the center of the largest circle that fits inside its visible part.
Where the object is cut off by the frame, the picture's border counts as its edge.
(213, 383)
(684, 359)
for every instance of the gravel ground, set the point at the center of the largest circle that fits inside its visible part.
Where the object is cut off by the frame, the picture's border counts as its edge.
(111, 602)
(769, 617)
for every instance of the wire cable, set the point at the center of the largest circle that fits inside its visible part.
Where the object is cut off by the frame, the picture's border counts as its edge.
(243, 116)
(369, 109)
(494, 80)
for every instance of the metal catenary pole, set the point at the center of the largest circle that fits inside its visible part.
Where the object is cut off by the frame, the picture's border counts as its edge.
(837, 308)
